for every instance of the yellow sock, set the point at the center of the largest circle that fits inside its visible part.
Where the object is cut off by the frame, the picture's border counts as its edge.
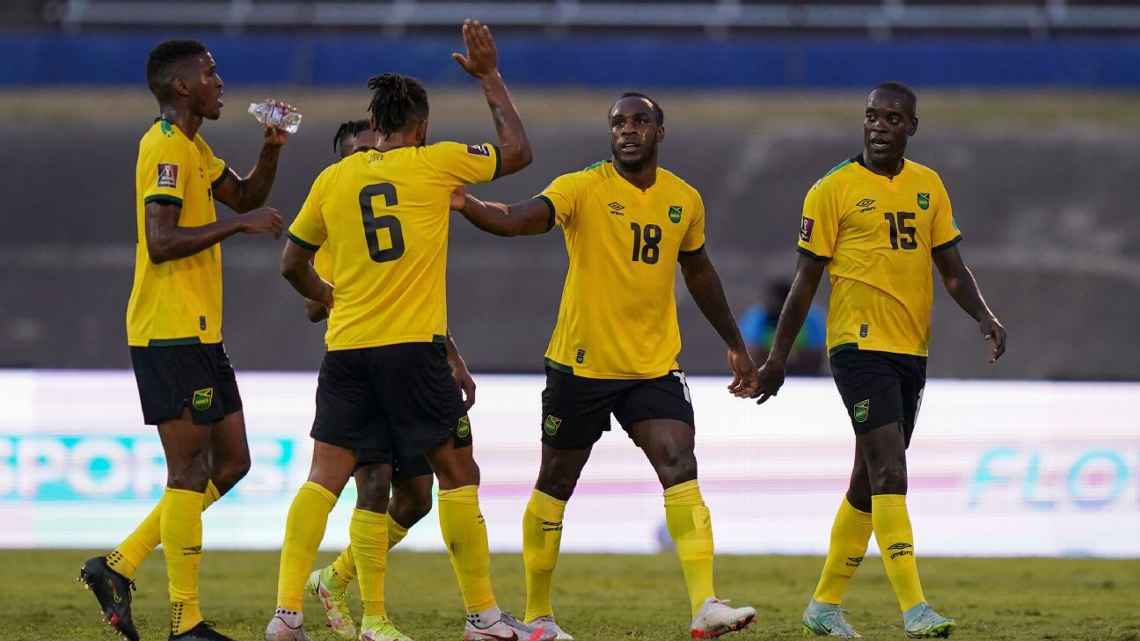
(542, 536)
(181, 533)
(690, 525)
(849, 536)
(126, 558)
(368, 532)
(344, 566)
(896, 544)
(396, 532)
(465, 535)
(304, 528)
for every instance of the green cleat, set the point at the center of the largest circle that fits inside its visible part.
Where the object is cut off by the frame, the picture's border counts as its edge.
(380, 628)
(826, 620)
(334, 599)
(922, 622)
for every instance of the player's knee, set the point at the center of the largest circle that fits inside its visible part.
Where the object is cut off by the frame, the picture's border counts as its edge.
(229, 473)
(560, 485)
(676, 466)
(192, 473)
(888, 477)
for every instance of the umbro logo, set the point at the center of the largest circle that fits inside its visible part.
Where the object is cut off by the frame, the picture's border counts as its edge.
(551, 526)
(854, 561)
(865, 205)
(900, 549)
(616, 208)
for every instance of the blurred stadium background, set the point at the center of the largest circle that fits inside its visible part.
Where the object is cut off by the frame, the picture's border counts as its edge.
(1029, 109)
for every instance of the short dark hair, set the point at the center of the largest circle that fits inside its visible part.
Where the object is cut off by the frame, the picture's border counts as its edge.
(658, 112)
(163, 60)
(902, 90)
(397, 101)
(346, 129)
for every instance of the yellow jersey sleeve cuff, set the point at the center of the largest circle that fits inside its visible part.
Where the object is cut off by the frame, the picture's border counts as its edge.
(550, 204)
(812, 255)
(303, 243)
(948, 244)
(498, 162)
(221, 177)
(163, 199)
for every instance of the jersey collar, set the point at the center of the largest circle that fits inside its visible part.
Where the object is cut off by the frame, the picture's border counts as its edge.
(858, 158)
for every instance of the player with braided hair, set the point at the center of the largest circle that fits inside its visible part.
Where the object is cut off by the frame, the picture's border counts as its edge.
(385, 381)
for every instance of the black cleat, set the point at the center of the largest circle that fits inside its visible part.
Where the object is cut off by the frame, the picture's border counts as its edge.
(113, 591)
(204, 631)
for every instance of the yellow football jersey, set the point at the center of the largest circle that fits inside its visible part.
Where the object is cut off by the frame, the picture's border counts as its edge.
(178, 301)
(618, 317)
(878, 234)
(382, 218)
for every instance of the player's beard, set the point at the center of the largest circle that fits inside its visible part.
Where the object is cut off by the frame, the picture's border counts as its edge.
(648, 157)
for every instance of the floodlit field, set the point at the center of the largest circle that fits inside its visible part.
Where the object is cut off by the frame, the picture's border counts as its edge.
(608, 598)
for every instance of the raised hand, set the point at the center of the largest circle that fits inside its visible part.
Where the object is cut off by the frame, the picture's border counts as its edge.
(994, 333)
(744, 381)
(273, 136)
(482, 57)
(264, 220)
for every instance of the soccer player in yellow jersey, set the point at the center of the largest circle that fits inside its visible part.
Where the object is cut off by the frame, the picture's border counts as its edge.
(174, 329)
(408, 476)
(877, 222)
(383, 214)
(627, 223)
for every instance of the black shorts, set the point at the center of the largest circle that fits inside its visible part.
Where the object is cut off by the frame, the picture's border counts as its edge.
(176, 377)
(403, 467)
(880, 388)
(396, 399)
(576, 410)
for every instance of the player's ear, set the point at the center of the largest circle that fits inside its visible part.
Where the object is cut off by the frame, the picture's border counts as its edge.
(913, 129)
(421, 132)
(660, 133)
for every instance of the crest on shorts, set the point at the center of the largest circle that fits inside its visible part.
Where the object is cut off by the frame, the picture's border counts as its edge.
(167, 175)
(463, 427)
(862, 409)
(551, 424)
(923, 200)
(675, 213)
(202, 399)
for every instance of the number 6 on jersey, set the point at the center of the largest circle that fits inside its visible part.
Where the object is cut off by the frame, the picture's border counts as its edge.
(373, 224)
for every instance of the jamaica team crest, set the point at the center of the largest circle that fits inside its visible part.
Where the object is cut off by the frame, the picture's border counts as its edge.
(675, 213)
(551, 424)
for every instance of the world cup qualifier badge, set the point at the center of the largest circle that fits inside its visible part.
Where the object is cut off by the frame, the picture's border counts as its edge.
(478, 150)
(806, 225)
(167, 175)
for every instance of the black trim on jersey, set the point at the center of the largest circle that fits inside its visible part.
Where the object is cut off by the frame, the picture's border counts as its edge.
(163, 199)
(842, 347)
(948, 244)
(173, 342)
(859, 159)
(813, 256)
(558, 367)
(498, 162)
(692, 252)
(550, 204)
(309, 246)
(221, 177)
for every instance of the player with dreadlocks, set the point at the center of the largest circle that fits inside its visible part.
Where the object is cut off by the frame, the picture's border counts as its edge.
(385, 381)
(377, 471)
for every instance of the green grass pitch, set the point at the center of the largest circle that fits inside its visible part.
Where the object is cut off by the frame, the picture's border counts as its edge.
(606, 598)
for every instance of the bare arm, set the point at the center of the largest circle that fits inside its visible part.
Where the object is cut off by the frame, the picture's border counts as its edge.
(482, 62)
(166, 240)
(297, 268)
(808, 272)
(960, 283)
(528, 218)
(460, 372)
(705, 287)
